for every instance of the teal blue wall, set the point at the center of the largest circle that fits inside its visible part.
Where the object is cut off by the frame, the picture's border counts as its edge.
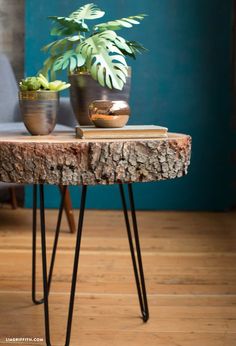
(183, 82)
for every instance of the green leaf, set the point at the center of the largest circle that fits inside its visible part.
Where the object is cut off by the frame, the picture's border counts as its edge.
(59, 46)
(48, 46)
(52, 74)
(117, 41)
(70, 59)
(120, 23)
(73, 63)
(47, 66)
(108, 34)
(30, 83)
(135, 48)
(44, 82)
(75, 38)
(58, 85)
(122, 45)
(108, 69)
(67, 26)
(89, 11)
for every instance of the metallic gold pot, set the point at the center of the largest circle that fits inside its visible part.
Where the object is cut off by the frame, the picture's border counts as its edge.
(84, 90)
(109, 113)
(39, 110)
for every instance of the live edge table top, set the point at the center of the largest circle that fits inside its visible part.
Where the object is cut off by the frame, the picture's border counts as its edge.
(62, 159)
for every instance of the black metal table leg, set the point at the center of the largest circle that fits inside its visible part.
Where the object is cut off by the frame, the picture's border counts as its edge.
(34, 229)
(138, 269)
(137, 263)
(57, 233)
(44, 266)
(76, 262)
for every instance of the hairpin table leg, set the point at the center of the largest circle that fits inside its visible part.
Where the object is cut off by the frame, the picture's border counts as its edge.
(34, 230)
(44, 266)
(58, 227)
(76, 262)
(36, 301)
(137, 264)
(138, 268)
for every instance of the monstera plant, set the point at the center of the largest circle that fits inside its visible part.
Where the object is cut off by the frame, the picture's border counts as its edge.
(98, 51)
(102, 53)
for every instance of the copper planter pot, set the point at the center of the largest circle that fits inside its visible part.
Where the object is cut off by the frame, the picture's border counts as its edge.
(39, 110)
(84, 90)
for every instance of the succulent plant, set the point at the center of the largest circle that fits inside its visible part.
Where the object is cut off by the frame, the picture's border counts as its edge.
(30, 84)
(41, 83)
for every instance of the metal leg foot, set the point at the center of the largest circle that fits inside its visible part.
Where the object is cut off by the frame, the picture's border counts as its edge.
(137, 264)
(34, 228)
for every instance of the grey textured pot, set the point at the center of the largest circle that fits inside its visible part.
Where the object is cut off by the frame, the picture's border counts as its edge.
(84, 90)
(39, 110)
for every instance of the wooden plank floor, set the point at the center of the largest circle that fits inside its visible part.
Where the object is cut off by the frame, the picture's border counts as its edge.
(189, 261)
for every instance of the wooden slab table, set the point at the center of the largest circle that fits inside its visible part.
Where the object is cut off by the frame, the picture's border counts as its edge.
(61, 159)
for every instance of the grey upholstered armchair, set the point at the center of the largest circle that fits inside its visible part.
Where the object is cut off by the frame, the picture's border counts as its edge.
(10, 118)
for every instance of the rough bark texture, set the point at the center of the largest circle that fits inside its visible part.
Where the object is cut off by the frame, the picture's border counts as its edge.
(94, 162)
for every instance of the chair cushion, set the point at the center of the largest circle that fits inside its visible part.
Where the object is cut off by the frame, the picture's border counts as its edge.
(16, 127)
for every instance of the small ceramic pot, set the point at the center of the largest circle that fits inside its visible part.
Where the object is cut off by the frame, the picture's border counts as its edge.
(109, 113)
(39, 110)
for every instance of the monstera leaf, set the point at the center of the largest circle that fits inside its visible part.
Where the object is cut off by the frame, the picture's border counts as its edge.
(70, 59)
(61, 45)
(67, 26)
(47, 66)
(89, 11)
(120, 23)
(134, 47)
(104, 60)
